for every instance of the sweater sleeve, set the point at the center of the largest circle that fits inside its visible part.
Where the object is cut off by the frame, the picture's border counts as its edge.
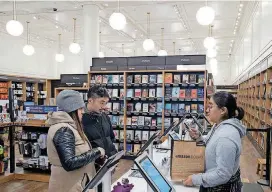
(225, 160)
(64, 141)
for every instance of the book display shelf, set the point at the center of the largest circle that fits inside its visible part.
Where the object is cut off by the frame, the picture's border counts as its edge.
(143, 102)
(255, 96)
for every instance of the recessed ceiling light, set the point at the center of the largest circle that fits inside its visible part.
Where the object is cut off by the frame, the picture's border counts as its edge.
(241, 5)
(57, 26)
(106, 5)
(240, 9)
(232, 40)
(234, 32)
(34, 17)
(239, 14)
(136, 30)
(75, 7)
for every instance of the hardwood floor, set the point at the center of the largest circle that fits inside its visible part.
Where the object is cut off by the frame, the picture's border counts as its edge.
(248, 169)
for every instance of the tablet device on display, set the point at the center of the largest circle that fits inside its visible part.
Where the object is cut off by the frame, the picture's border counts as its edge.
(152, 175)
(110, 162)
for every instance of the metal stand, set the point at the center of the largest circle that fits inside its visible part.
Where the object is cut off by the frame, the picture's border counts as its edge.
(149, 189)
(150, 151)
(106, 181)
(266, 181)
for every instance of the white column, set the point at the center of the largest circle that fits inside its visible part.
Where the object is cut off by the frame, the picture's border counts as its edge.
(91, 35)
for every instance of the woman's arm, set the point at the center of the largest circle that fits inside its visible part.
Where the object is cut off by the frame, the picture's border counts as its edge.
(226, 152)
(64, 141)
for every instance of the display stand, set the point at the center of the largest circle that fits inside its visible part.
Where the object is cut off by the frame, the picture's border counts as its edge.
(266, 181)
(104, 174)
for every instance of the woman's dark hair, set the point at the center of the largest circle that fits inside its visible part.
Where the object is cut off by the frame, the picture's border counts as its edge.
(75, 117)
(98, 91)
(225, 99)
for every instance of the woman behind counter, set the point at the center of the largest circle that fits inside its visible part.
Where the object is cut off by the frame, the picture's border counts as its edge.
(223, 147)
(69, 151)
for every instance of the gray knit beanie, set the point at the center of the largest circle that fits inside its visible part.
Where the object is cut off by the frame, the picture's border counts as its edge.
(69, 100)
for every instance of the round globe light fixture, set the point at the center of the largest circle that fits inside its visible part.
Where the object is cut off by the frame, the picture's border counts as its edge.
(213, 63)
(211, 53)
(14, 28)
(117, 21)
(74, 48)
(148, 44)
(162, 53)
(205, 15)
(101, 54)
(209, 42)
(28, 50)
(59, 57)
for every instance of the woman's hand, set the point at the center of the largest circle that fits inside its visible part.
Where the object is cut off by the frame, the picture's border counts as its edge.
(102, 152)
(194, 133)
(188, 182)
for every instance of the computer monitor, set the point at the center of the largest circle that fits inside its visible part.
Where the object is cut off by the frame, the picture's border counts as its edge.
(152, 175)
(110, 162)
(149, 142)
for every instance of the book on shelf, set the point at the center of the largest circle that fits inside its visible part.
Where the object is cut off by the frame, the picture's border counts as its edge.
(121, 80)
(159, 78)
(144, 78)
(192, 78)
(168, 78)
(152, 92)
(129, 149)
(138, 136)
(129, 79)
(185, 78)
(138, 107)
(144, 93)
(177, 79)
(137, 79)
(152, 79)
(201, 79)
(121, 135)
(138, 93)
(137, 148)
(129, 135)
(145, 135)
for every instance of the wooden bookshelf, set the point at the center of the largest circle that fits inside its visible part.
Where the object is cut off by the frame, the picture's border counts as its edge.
(129, 101)
(254, 96)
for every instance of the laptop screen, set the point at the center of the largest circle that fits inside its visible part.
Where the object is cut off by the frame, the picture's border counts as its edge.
(154, 175)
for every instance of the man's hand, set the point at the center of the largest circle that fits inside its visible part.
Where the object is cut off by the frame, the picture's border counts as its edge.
(188, 182)
(194, 133)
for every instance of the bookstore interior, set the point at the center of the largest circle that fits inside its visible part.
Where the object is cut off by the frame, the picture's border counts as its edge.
(160, 71)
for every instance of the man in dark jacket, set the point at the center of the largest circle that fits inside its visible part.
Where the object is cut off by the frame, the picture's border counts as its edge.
(96, 123)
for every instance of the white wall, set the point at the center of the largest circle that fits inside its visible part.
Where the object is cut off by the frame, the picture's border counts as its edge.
(255, 43)
(13, 61)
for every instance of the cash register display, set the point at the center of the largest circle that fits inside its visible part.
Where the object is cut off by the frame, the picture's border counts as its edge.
(154, 175)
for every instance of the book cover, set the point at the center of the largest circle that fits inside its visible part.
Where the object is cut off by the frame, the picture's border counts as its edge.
(137, 148)
(110, 92)
(147, 121)
(152, 79)
(201, 79)
(193, 78)
(121, 78)
(129, 135)
(194, 93)
(168, 77)
(116, 134)
(116, 107)
(134, 120)
(187, 93)
(121, 135)
(194, 108)
(187, 108)
(105, 79)
(121, 120)
(159, 107)
(185, 78)
(138, 136)
(122, 106)
(159, 78)
(200, 93)
(167, 122)
(138, 93)
(121, 147)
(181, 108)
(176, 78)
(137, 79)
(182, 93)
(145, 135)
(145, 107)
(168, 92)
(152, 93)
(168, 107)
(159, 92)
(92, 81)
(109, 107)
(175, 92)
(114, 92)
(200, 108)
(159, 121)
(130, 107)
(144, 78)
(145, 93)
(115, 120)
(128, 120)
(116, 79)
(129, 79)
(151, 133)
(152, 107)
(122, 93)
(153, 122)
(141, 120)
(129, 148)
(98, 79)
(130, 93)
(175, 107)
(110, 79)
(138, 107)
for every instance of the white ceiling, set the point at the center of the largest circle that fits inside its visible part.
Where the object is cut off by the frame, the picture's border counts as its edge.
(43, 22)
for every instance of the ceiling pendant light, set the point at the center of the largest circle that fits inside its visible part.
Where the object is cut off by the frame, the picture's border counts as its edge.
(211, 53)
(100, 54)
(14, 27)
(148, 43)
(74, 47)
(59, 56)
(205, 15)
(209, 42)
(117, 20)
(162, 52)
(28, 49)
